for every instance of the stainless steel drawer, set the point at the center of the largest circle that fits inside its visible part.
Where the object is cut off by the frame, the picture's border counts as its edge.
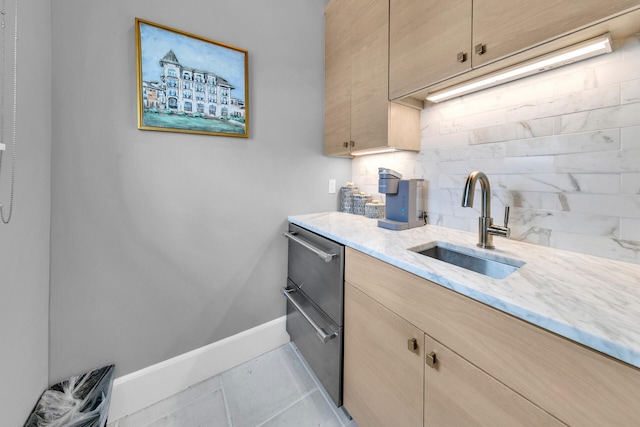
(319, 276)
(322, 351)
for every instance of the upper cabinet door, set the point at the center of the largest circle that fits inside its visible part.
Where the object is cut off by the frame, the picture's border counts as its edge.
(337, 86)
(502, 28)
(369, 73)
(429, 41)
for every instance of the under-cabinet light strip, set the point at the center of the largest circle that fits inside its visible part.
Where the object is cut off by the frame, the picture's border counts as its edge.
(578, 52)
(383, 150)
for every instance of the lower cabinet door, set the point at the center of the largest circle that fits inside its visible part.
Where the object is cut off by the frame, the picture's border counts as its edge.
(383, 364)
(459, 394)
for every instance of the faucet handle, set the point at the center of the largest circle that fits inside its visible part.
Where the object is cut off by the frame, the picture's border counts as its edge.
(506, 216)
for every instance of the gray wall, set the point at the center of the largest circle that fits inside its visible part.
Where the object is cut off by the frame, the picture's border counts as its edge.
(24, 242)
(165, 242)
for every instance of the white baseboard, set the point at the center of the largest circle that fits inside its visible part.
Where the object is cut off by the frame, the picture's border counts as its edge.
(137, 390)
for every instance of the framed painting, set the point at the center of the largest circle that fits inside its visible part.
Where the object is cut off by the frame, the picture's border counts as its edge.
(190, 84)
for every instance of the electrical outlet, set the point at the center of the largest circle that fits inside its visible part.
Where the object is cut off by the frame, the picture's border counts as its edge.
(332, 186)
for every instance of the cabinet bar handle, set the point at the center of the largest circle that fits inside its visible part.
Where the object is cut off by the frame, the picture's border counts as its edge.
(480, 49)
(412, 345)
(431, 359)
(461, 56)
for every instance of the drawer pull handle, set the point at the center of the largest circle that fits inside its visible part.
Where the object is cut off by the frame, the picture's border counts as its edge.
(431, 359)
(325, 256)
(320, 332)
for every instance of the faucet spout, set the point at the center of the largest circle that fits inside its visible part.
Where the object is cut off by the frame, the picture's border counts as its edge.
(486, 228)
(485, 189)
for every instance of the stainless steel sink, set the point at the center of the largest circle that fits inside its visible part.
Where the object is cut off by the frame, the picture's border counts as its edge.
(494, 266)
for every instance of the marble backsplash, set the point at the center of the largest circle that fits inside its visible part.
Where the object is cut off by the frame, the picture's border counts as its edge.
(562, 148)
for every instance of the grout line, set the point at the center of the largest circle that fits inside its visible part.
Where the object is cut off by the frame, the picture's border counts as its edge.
(324, 395)
(291, 405)
(226, 405)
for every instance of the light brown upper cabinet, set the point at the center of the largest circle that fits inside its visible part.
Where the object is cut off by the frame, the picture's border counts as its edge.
(433, 41)
(502, 28)
(358, 114)
(430, 40)
(337, 79)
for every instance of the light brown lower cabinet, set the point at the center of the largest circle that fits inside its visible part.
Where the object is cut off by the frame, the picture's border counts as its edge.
(391, 366)
(456, 393)
(489, 368)
(383, 379)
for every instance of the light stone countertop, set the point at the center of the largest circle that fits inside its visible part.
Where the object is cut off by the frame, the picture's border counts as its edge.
(593, 301)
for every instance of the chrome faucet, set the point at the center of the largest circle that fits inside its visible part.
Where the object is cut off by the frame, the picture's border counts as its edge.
(486, 229)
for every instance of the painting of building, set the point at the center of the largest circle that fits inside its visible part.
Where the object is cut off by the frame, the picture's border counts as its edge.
(192, 91)
(206, 93)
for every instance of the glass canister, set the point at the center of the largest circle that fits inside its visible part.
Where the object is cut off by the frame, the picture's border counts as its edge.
(346, 197)
(374, 209)
(360, 200)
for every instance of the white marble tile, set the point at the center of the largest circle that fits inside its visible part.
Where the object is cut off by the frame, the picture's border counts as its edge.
(514, 130)
(452, 180)
(615, 161)
(604, 140)
(489, 166)
(496, 166)
(581, 223)
(447, 140)
(572, 102)
(603, 118)
(534, 235)
(630, 183)
(530, 164)
(619, 66)
(600, 204)
(450, 221)
(532, 200)
(565, 183)
(600, 246)
(630, 92)
(630, 138)
(630, 229)
(482, 151)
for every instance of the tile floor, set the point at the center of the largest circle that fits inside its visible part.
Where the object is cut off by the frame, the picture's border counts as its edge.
(275, 389)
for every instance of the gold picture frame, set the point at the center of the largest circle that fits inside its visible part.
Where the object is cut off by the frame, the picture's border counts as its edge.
(190, 84)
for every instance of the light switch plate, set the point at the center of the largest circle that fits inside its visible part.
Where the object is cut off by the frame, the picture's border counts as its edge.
(332, 186)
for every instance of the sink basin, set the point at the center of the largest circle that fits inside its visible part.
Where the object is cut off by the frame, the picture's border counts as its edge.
(495, 266)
